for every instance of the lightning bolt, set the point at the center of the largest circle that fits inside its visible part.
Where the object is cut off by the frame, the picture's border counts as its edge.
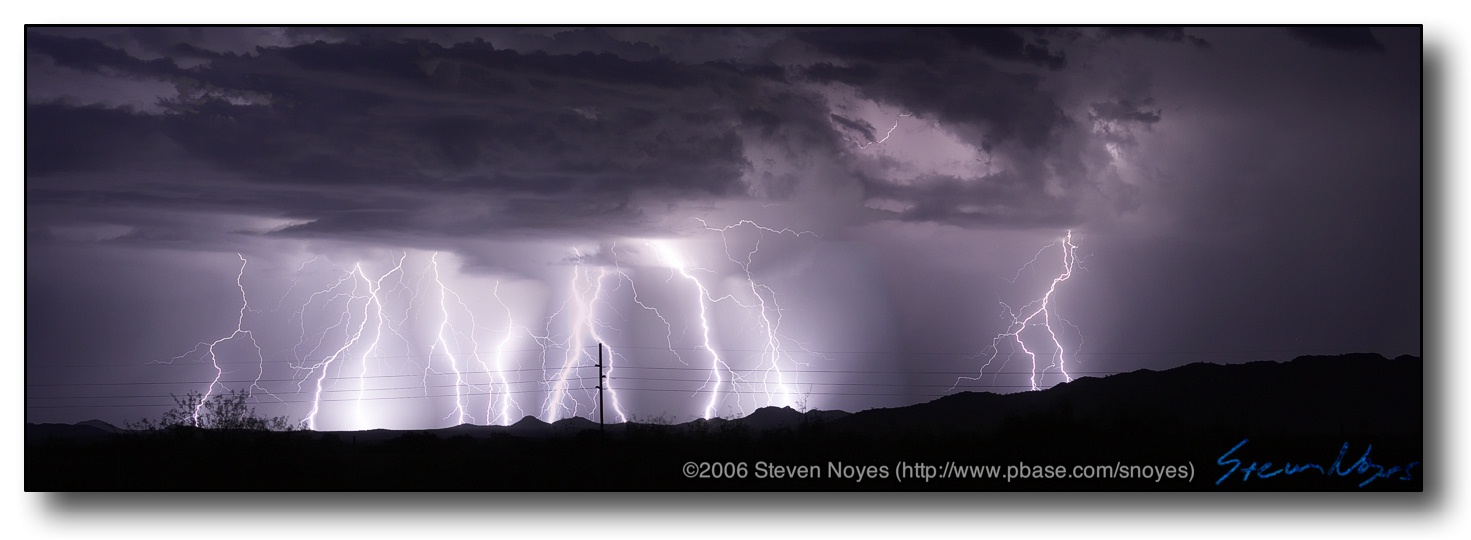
(668, 328)
(445, 344)
(210, 346)
(500, 361)
(352, 335)
(586, 294)
(1039, 312)
(766, 307)
(346, 329)
(295, 280)
(593, 324)
(580, 314)
(559, 388)
(375, 300)
(364, 304)
(714, 381)
(863, 146)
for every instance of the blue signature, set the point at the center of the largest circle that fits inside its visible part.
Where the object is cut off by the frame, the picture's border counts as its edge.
(1359, 467)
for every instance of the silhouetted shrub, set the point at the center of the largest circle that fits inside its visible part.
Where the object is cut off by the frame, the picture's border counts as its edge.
(225, 411)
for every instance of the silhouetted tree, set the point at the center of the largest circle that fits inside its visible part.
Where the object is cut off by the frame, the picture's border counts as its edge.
(224, 411)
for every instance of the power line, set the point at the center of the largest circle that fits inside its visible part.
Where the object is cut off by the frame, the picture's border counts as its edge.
(490, 388)
(831, 384)
(1321, 351)
(295, 380)
(617, 368)
(286, 402)
(493, 383)
(875, 371)
(494, 393)
(341, 389)
(975, 353)
(764, 392)
(257, 362)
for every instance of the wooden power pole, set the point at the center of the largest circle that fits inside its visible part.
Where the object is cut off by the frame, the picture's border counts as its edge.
(602, 382)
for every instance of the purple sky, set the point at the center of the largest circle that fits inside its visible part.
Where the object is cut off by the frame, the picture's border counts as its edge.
(1233, 194)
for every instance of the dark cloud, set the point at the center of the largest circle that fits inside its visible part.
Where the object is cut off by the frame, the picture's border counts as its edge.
(152, 42)
(1003, 106)
(859, 75)
(1004, 200)
(587, 131)
(560, 42)
(929, 45)
(582, 40)
(1000, 113)
(981, 85)
(92, 55)
(1127, 110)
(397, 129)
(603, 120)
(62, 138)
(1338, 38)
(881, 45)
(1262, 192)
(1173, 34)
(602, 131)
(1007, 44)
(861, 126)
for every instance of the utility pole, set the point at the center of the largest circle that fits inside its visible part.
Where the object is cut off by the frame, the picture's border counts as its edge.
(602, 382)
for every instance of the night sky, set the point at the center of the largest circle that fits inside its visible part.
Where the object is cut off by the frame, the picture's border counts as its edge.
(437, 225)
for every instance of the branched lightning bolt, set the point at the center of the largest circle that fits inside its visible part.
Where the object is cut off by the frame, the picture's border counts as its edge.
(714, 380)
(374, 299)
(295, 280)
(1039, 312)
(507, 403)
(443, 343)
(370, 299)
(357, 310)
(210, 346)
(593, 325)
(586, 294)
(342, 329)
(767, 309)
(668, 328)
(864, 146)
(581, 314)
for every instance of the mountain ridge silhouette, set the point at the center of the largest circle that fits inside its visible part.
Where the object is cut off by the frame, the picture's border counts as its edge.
(1323, 410)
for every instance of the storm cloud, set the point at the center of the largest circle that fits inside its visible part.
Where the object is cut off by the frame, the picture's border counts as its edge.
(579, 118)
(1236, 193)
